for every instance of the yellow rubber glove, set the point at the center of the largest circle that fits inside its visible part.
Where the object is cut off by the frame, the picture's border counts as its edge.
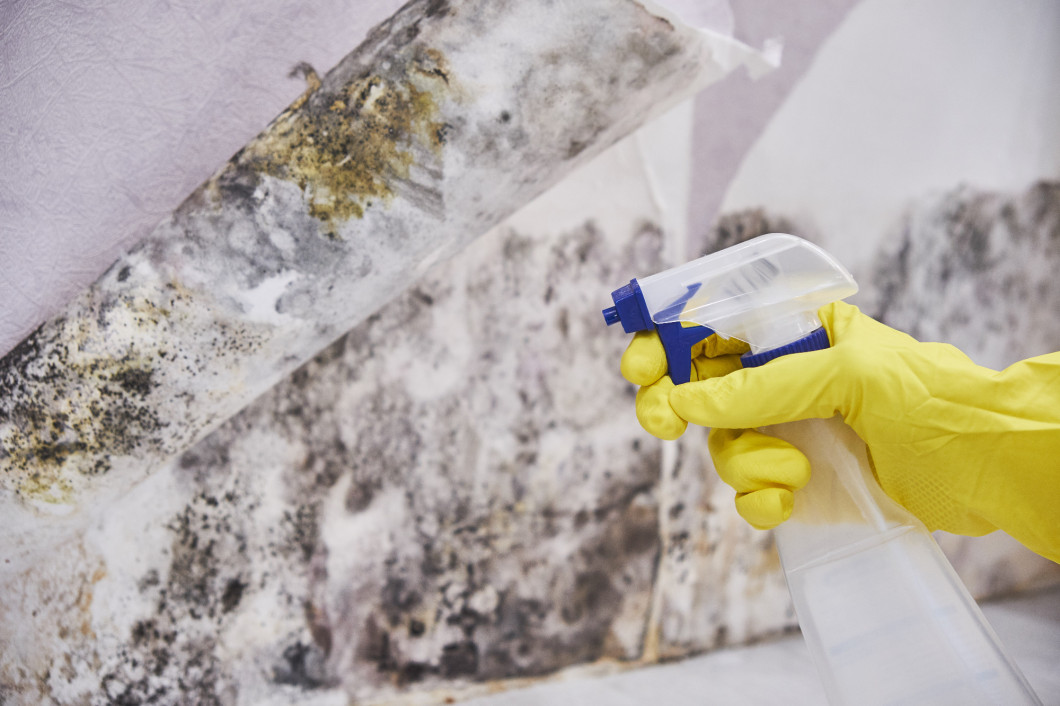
(644, 364)
(763, 470)
(966, 449)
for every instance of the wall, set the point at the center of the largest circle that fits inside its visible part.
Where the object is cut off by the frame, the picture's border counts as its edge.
(455, 496)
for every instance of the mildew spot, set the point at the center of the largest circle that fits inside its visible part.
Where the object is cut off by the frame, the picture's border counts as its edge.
(346, 149)
(96, 407)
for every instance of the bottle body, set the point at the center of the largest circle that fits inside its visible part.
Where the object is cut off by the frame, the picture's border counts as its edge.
(886, 618)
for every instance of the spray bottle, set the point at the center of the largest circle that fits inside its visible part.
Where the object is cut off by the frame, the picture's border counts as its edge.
(884, 615)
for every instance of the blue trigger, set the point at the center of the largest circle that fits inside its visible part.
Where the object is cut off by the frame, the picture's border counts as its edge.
(678, 340)
(632, 312)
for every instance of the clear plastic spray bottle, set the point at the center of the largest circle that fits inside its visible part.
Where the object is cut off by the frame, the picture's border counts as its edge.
(884, 615)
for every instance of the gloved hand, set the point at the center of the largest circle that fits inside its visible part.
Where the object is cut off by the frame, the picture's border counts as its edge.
(763, 470)
(966, 449)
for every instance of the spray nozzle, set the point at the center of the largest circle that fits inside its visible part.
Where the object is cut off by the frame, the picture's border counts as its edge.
(629, 309)
(632, 312)
(765, 292)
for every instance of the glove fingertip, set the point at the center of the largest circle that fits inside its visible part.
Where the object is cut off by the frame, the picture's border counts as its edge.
(766, 508)
(641, 371)
(662, 427)
(655, 414)
(644, 360)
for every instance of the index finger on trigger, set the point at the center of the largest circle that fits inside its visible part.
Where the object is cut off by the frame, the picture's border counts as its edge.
(715, 367)
(715, 346)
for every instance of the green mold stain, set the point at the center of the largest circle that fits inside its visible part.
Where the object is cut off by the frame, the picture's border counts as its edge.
(346, 149)
(48, 446)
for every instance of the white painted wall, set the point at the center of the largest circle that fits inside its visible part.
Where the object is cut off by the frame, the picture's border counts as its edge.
(904, 99)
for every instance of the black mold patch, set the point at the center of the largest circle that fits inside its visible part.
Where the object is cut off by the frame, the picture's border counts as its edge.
(470, 577)
(149, 677)
(171, 654)
(135, 381)
(302, 530)
(398, 599)
(46, 447)
(301, 665)
(470, 590)
(449, 579)
(972, 268)
(735, 228)
(233, 593)
(437, 8)
(459, 659)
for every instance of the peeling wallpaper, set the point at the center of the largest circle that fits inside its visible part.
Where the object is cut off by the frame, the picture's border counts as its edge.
(411, 147)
